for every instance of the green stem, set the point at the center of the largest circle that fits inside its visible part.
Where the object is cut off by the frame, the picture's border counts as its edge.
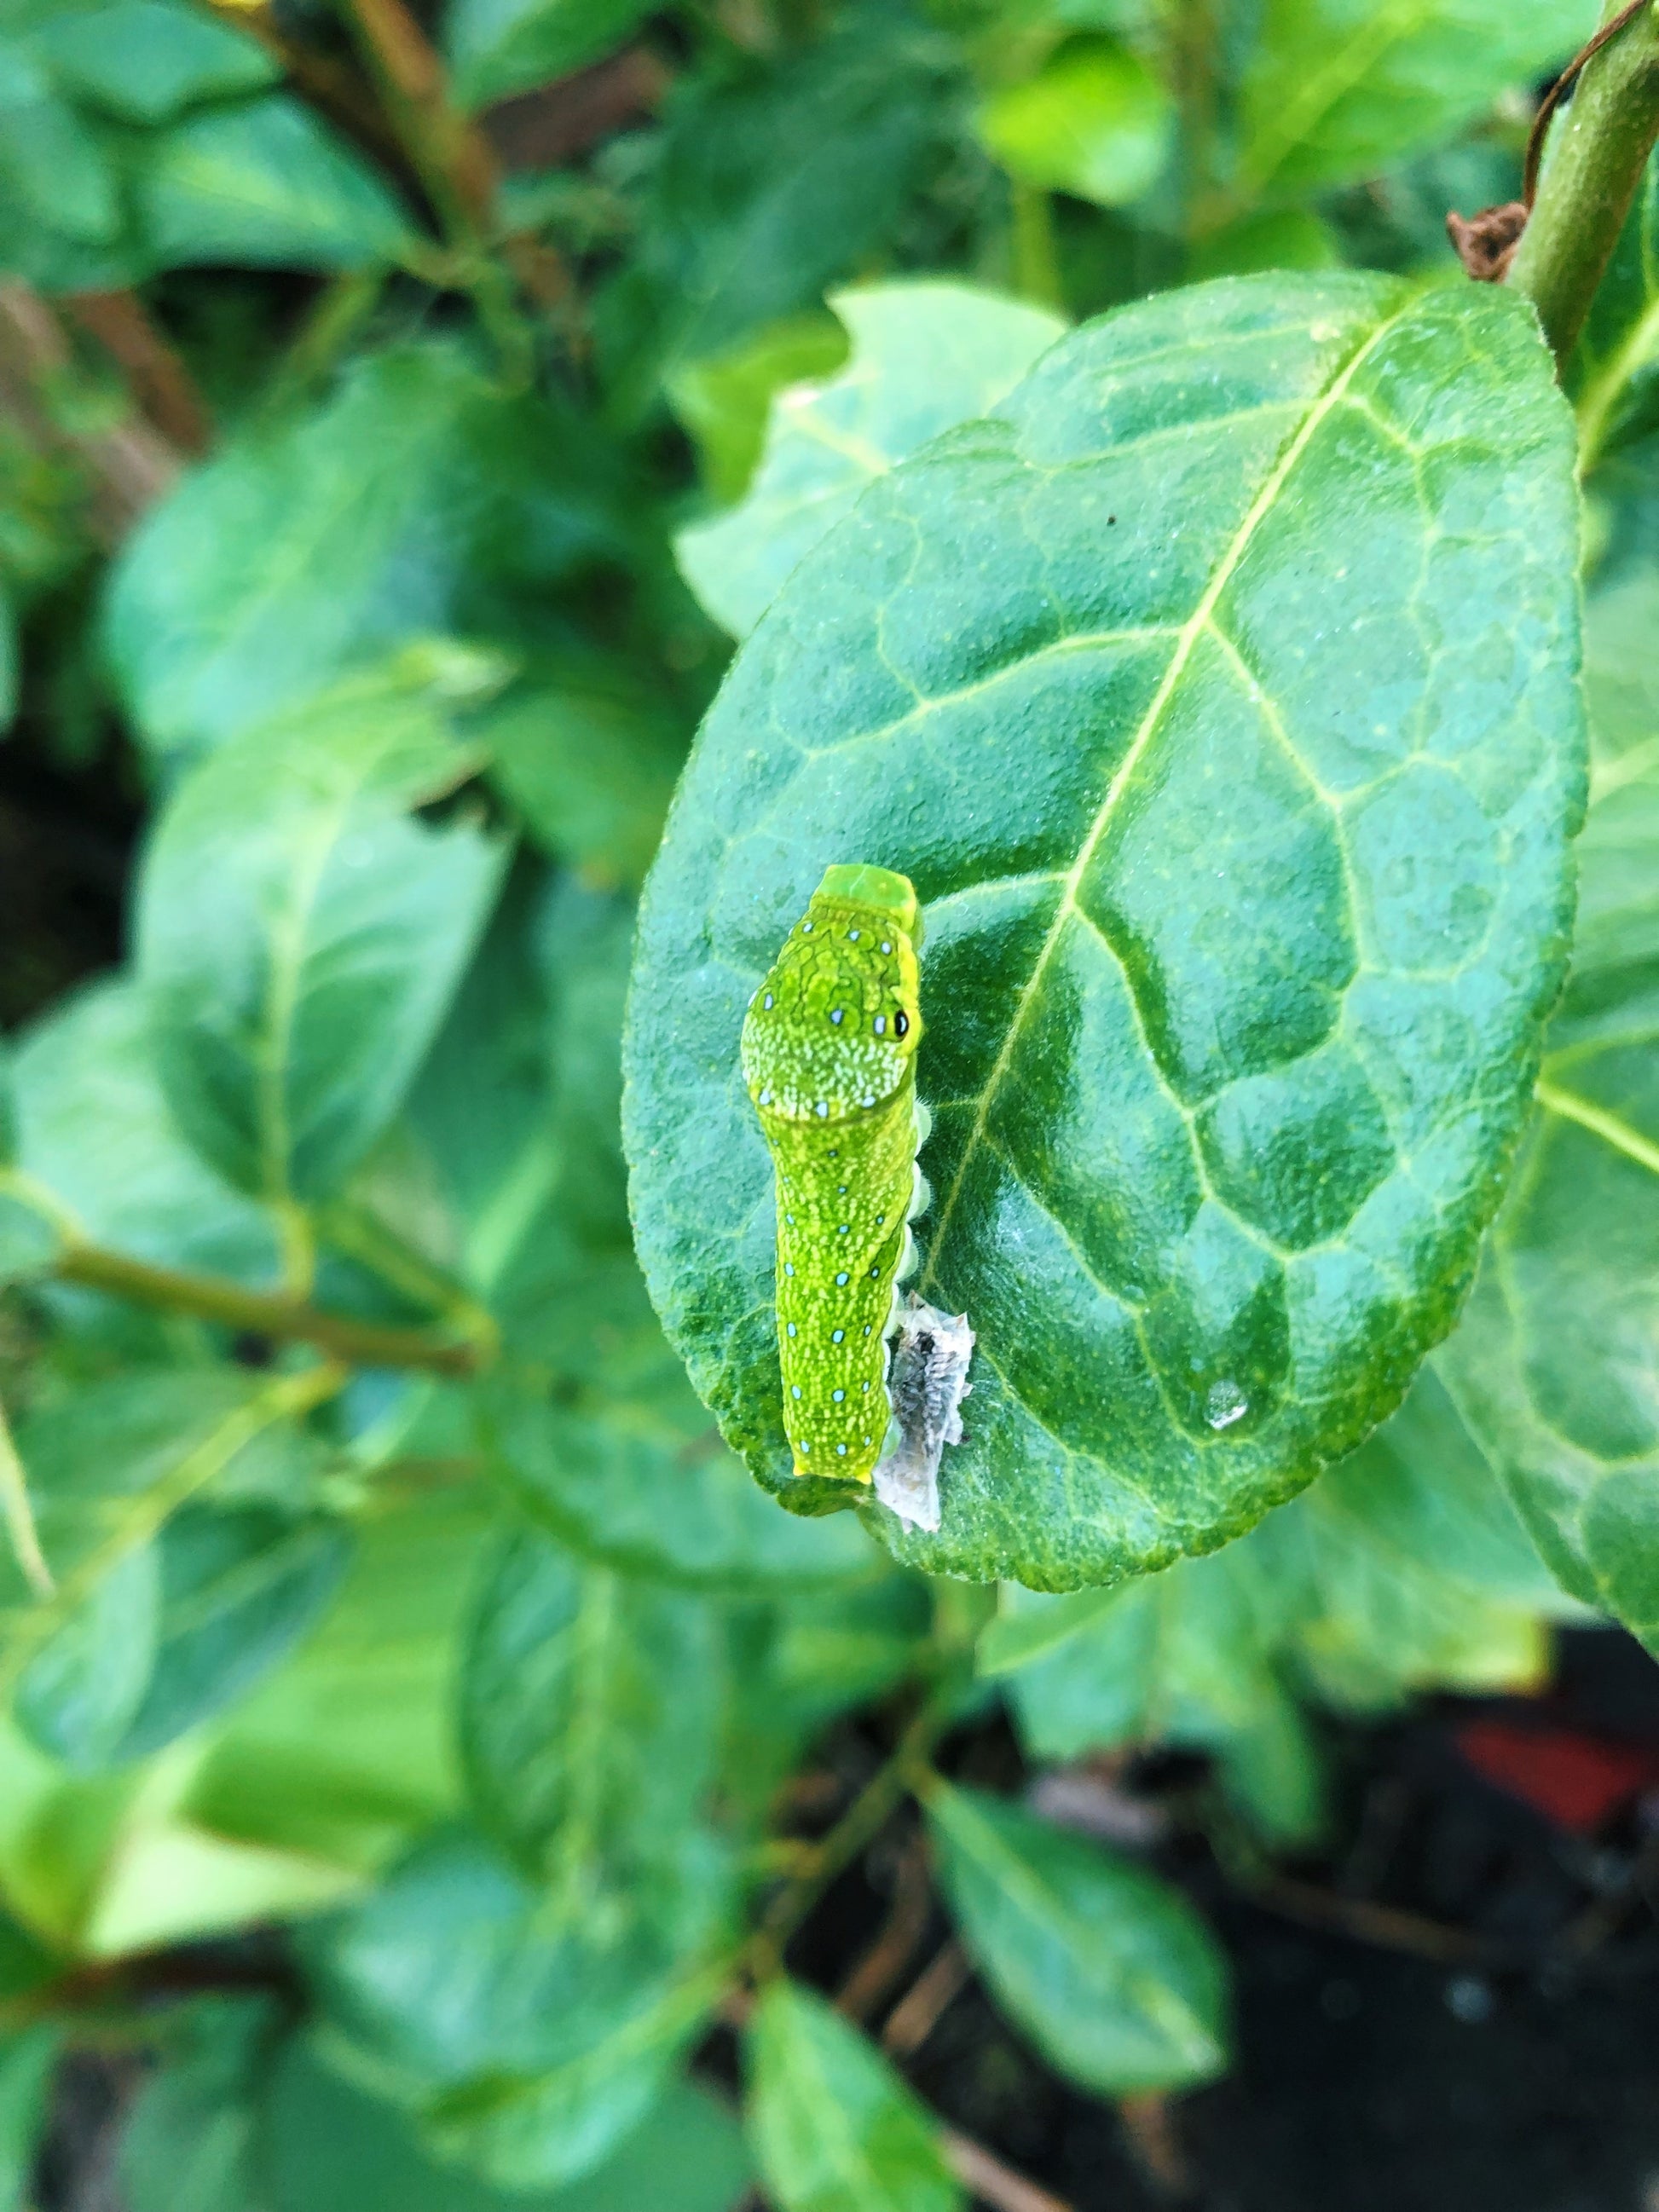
(1595, 164)
(905, 1772)
(363, 1236)
(1036, 266)
(265, 1313)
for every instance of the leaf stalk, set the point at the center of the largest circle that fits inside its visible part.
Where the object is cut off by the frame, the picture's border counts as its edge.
(1595, 167)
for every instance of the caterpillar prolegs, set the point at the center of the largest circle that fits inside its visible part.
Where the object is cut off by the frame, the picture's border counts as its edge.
(829, 1057)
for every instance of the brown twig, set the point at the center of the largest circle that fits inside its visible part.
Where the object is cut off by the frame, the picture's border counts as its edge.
(129, 467)
(1384, 1925)
(1148, 2121)
(997, 2184)
(454, 161)
(915, 2016)
(329, 85)
(154, 370)
(884, 1961)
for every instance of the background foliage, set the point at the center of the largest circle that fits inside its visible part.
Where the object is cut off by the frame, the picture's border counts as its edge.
(402, 418)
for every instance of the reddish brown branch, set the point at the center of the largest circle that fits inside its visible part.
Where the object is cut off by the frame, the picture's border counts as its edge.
(154, 371)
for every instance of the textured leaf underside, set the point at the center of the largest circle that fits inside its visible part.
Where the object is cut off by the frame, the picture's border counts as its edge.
(1217, 694)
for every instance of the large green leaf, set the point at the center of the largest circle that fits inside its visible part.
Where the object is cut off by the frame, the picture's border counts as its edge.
(925, 355)
(835, 2127)
(1246, 889)
(418, 499)
(1556, 1363)
(1338, 89)
(528, 2037)
(300, 936)
(1111, 1974)
(589, 1710)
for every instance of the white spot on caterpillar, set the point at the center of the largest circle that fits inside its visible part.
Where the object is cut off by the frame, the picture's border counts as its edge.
(842, 1278)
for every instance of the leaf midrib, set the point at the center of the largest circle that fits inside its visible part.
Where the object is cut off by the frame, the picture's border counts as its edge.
(1186, 640)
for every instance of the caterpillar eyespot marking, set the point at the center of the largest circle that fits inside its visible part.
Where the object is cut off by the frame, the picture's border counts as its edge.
(829, 1060)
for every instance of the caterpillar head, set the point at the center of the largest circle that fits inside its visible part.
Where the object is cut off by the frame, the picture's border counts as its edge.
(835, 1025)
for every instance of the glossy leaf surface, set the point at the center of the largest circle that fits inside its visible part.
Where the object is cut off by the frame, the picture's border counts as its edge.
(1246, 890)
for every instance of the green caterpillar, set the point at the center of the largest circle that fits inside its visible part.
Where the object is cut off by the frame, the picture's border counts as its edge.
(829, 1057)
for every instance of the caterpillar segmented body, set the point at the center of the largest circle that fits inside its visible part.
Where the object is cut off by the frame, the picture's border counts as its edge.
(828, 1059)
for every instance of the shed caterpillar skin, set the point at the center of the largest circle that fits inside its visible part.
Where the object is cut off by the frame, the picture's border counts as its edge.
(828, 1059)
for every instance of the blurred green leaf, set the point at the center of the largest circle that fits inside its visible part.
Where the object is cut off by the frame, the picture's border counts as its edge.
(1271, 238)
(1334, 91)
(331, 2149)
(1185, 1658)
(179, 1630)
(190, 2142)
(643, 1483)
(498, 47)
(769, 185)
(265, 184)
(347, 1749)
(925, 355)
(1111, 1973)
(145, 61)
(589, 1709)
(723, 400)
(94, 1130)
(10, 670)
(299, 937)
(529, 2040)
(419, 500)
(50, 160)
(1614, 375)
(1220, 1109)
(164, 1609)
(835, 2129)
(27, 2060)
(588, 758)
(1094, 121)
